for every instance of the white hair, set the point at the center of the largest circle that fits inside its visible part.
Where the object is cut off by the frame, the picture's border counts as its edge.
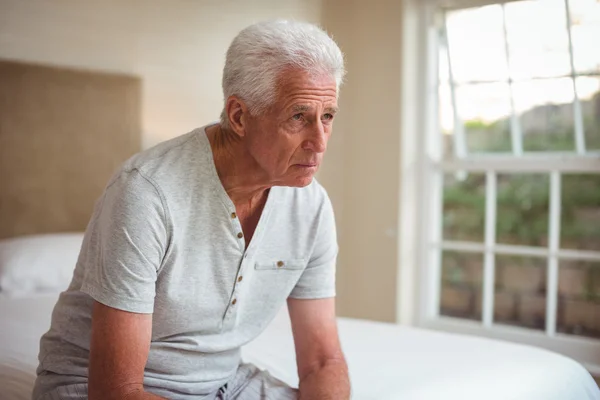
(259, 54)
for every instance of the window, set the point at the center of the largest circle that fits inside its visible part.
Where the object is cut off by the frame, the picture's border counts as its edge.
(512, 217)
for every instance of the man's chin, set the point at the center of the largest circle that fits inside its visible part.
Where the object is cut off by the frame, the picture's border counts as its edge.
(299, 182)
(298, 177)
(303, 182)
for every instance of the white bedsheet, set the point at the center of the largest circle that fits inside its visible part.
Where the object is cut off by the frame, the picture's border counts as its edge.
(386, 361)
(391, 362)
(22, 323)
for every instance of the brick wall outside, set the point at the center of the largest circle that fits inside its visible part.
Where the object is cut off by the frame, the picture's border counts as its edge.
(520, 293)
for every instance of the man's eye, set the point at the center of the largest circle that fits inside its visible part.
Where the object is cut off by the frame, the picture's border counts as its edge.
(328, 116)
(297, 117)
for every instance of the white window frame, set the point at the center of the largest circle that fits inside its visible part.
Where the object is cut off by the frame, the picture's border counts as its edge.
(422, 168)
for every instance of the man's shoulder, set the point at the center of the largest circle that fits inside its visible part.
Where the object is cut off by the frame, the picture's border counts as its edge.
(164, 153)
(171, 162)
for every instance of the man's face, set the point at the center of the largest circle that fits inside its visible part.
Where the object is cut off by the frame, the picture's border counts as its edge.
(289, 140)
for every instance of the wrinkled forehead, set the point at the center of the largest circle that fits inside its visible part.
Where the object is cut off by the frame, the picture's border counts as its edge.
(306, 85)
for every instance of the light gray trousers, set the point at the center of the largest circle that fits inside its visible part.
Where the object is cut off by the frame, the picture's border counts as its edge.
(249, 383)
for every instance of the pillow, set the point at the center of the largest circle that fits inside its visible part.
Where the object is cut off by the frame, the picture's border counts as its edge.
(38, 263)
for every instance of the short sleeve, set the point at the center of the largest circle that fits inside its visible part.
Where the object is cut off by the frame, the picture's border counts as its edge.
(318, 279)
(127, 242)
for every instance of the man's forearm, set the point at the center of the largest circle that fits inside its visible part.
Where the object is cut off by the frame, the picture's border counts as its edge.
(142, 395)
(135, 394)
(329, 382)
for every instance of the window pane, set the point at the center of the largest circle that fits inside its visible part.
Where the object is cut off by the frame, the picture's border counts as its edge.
(464, 207)
(545, 109)
(522, 209)
(446, 120)
(537, 39)
(477, 47)
(520, 297)
(443, 67)
(585, 31)
(461, 285)
(579, 298)
(580, 212)
(485, 112)
(588, 90)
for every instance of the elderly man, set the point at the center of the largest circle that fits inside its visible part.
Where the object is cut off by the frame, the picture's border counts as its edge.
(196, 244)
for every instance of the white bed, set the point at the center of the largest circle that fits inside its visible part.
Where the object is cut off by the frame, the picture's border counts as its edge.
(386, 361)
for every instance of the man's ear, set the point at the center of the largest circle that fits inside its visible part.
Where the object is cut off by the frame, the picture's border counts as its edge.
(237, 113)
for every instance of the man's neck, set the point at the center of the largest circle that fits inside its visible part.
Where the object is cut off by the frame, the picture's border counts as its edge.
(240, 175)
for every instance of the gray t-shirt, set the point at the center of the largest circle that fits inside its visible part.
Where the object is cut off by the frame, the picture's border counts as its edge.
(164, 239)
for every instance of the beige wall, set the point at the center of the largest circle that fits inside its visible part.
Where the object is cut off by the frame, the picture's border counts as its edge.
(177, 47)
(361, 171)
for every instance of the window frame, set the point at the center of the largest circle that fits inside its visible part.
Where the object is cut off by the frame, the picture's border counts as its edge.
(422, 169)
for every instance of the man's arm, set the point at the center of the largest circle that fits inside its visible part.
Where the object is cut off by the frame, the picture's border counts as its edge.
(119, 350)
(322, 368)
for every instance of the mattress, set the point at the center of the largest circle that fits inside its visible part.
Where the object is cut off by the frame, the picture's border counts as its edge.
(386, 361)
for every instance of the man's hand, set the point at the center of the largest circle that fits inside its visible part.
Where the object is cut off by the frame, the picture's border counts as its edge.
(118, 354)
(322, 368)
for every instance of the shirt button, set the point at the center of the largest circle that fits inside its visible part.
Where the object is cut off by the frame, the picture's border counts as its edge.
(240, 235)
(233, 302)
(233, 215)
(280, 264)
(240, 278)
